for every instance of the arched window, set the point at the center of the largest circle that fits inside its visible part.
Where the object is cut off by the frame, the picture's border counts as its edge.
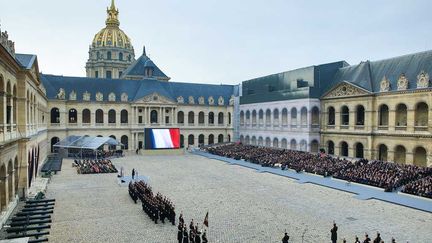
(293, 144)
(229, 138)
(254, 117)
(247, 139)
(276, 143)
(261, 117)
(331, 116)
(382, 152)
(247, 117)
(359, 150)
(191, 139)
(113, 137)
(276, 114)
(267, 142)
(191, 117)
(211, 118)
(241, 139)
(229, 118)
(201, 139)
(86, 116)
(125, 141)
(360, 115)
(99, 116)
(400, 154)
(303, 116)
(284, 143)
(121, 56)
(343, 149)
(315, 116)
(284, 117)
(260, 141)
(344, 116)
(242, 118)
(220, 118)
(268, 117)
(401, 115)
(253, 140)
(294, 116)
(180, 117)
(73, 116)
(109, 55)
(420, 157)
(303, 145)
(201, 118)
(98, 55)
(124, 116)
(330, 147)
(153, 116)
(211, 139)
(55, 115)
(421, 115)
(111, 116)
(220, 138)
(54, 140)
(2, 104)
(383, 115)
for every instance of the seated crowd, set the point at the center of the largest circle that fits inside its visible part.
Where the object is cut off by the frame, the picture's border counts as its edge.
(90, 166)
(387, 175)
(157, 207)
(421, 187)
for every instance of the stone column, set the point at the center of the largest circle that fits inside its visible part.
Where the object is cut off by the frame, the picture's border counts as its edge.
(410, 120)
(133, 142)
(392, 120)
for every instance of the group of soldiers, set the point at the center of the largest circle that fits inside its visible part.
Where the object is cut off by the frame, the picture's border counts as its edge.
(90, 166)
(194, 235)
(156, 207)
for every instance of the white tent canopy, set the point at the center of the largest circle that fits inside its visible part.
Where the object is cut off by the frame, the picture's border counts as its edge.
(85, 142)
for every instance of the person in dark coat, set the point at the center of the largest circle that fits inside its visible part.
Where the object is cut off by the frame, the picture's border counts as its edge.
(185, 236)
(367, 239)
(180, 233)
(285, 238)
(133, 173)
(378, 238)
(204, 237)
(334, 233)
(197, 236)
(357, 240)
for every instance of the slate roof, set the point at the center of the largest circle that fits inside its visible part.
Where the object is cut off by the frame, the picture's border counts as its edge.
(137, 68)
(135, 89)
(25, 60)
(369, 74)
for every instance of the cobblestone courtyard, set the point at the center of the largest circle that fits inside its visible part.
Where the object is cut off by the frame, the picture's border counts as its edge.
(243, 205)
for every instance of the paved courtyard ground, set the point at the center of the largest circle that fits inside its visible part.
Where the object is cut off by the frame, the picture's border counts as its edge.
(243, 205)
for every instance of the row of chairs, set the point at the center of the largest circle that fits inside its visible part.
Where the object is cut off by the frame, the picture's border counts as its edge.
(32, 221)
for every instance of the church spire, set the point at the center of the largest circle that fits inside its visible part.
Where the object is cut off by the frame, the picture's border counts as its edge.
(112, 19)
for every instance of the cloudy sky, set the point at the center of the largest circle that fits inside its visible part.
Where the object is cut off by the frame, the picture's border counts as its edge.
(222, 41)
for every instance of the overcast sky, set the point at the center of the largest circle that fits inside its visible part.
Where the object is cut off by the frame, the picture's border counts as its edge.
(222, 41)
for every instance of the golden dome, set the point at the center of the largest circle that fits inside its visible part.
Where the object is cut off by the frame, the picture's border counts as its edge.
(112, 35)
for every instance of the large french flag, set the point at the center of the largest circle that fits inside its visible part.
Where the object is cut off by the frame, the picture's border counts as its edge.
(165, 138)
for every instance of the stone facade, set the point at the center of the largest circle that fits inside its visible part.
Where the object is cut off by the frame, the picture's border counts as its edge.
(23, 126)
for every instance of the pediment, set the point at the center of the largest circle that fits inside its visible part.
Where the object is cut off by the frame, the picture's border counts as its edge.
(155, 98)
(345, 89)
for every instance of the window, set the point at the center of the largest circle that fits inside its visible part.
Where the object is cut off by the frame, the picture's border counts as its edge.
(140, 119)
(109, 55)
(96, 74)
(121, 56)
(108, 74)
(120, 74)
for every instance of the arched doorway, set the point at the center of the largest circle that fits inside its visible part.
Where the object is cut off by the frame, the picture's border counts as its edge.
(220, 138)
(330, 147)
(400, 154)
(191, 139)
(125, 141)
(314, 146)
(343, 149)
(181, 141)
(420, 157)
(201, 139)
(382, 152)
(211, 139)
(3, 200)
(10, 168)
